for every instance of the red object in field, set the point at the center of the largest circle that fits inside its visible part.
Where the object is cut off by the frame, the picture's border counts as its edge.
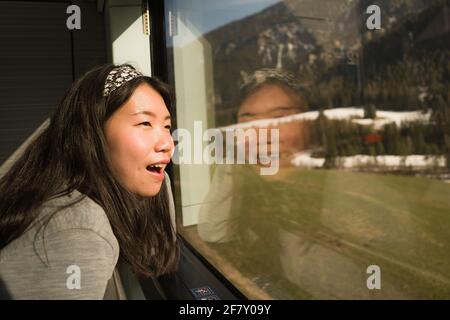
(372, 138)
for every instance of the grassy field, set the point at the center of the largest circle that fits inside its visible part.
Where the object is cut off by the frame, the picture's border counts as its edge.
(346, 221)
(400, 223)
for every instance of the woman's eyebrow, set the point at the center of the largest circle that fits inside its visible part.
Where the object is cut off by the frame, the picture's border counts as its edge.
(272, 109)
(149, 113)
(282, 108)
(245, 114)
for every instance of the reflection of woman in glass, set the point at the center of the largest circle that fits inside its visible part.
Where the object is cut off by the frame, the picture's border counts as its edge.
(273, 228)
(271, 94)
(89, 188)
(243, 210)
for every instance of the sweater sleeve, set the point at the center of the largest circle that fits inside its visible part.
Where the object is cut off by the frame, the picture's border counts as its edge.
(215, 212)
(72, 258)
(80, 264)
(77, 265)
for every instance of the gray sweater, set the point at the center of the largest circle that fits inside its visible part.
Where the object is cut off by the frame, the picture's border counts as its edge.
(81, 248)
(79, 245)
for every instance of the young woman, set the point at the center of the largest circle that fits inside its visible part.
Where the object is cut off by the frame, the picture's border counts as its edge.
(90, 189)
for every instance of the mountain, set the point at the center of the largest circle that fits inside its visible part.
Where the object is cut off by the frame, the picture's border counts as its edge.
(338, 61)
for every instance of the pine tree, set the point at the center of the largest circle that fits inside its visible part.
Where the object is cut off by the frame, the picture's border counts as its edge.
(370, 112)
(441, 117)
(380, 148)
(331, 151)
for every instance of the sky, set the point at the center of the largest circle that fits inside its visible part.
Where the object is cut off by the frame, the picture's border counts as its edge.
(211, 14)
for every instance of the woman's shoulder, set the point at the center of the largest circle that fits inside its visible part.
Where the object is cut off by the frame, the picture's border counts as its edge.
(71, 231)
(73, 212)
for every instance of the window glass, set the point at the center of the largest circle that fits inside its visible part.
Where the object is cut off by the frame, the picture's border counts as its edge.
(313, 144)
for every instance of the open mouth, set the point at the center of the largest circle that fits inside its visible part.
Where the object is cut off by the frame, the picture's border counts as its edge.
(155, 168)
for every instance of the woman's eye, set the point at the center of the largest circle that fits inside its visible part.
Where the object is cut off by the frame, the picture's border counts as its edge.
(146, 123)
(168, 127)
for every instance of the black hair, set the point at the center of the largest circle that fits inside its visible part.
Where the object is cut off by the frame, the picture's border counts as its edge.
(267, 76)
(72, 154)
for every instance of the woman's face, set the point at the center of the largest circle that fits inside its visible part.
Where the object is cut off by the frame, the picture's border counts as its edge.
(139, 141)
(274, 101)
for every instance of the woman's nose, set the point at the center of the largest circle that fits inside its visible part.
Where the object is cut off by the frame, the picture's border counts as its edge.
(164, 142)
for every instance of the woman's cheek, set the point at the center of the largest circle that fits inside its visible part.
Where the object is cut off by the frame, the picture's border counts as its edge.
(129, 150)
(172, 145)
(141, 141)
(291, 136)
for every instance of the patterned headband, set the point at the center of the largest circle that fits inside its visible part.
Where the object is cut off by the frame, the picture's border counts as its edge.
(119, 76)
(264, 75)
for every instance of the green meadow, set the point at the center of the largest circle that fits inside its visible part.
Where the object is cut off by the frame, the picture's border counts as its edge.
(345, 221)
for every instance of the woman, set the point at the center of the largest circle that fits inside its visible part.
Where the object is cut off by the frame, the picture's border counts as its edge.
(273, 228)
(273, 94)
(243, 208)
(89, 189)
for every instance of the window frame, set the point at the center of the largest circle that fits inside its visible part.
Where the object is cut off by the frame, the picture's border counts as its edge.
(194, 270)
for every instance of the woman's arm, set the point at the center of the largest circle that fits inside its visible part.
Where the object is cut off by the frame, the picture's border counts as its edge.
(215, 213)
(80, 263)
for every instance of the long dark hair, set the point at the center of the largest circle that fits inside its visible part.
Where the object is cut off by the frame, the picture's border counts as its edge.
(71, 154)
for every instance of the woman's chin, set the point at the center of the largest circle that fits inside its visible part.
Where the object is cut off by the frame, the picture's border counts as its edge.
(150, 191)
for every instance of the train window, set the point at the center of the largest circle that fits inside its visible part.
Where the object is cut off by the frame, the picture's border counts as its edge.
(313, 144)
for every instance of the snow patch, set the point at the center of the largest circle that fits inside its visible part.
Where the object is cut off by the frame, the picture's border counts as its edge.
(351, 113)
(304, 159)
